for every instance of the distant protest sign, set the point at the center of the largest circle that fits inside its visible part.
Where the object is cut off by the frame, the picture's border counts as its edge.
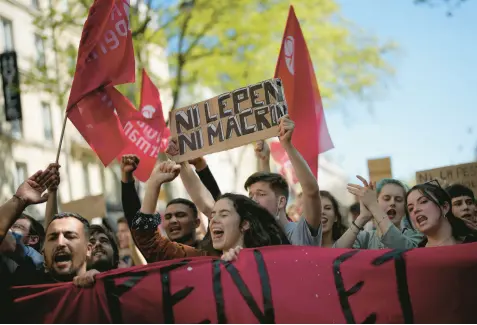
(379, 169)
(465, 174)
(229, 120)
(89, 207)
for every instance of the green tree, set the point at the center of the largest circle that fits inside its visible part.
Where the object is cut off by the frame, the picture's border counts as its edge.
(221, 45)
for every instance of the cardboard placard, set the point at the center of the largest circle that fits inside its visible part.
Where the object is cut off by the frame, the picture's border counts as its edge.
(465, 174)
(88, 207)
(379, 169)
(229, 120)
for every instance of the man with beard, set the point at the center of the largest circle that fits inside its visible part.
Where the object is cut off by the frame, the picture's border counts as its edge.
(66, 251)
(104, 249)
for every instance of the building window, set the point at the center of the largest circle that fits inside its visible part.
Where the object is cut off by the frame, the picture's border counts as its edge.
(35, 4)
(16, 129)
(47, 124)
(87, 189)
(40, 51)
(20, 175)
(6, 35)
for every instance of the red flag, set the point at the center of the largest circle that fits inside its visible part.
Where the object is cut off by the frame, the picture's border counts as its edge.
(100, 127)
(295, 68)
(105, 53)
(105, 58)
(145, 129)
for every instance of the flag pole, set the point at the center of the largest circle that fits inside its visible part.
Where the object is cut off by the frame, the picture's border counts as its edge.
(61, 137)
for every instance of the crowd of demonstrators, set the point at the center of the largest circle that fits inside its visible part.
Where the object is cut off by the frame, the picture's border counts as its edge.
(69, 249)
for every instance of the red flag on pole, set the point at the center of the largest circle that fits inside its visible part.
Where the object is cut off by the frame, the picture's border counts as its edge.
(105, 53)
(95, 119)
(295, 68)
(105, 59)
(146, 129)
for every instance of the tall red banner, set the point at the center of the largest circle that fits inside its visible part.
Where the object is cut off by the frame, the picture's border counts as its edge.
(105, 53)
(105, 59)
(295, 68)
(145, 129)
(286, 284)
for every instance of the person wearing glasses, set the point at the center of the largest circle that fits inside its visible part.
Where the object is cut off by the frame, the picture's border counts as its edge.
(430, 210)
(384, 204)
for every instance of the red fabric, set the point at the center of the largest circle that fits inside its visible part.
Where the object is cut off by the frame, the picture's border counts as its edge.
(424, 285)
(146, 129)
(295, 68)
(105, 59)
(94, 118)
(105, 53)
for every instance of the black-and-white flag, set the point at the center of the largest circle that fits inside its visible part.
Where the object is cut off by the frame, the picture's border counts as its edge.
(11, 85)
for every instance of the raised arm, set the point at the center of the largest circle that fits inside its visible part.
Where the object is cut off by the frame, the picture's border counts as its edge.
(351, 237)
(197, 191)
(308, 182)
(30, 192)
(206, 177)
(388, 233)
(52, 203)
(153, 246)
(129, 197)
(262, 152)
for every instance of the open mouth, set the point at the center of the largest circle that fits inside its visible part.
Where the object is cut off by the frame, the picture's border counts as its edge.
(99, 252)
(421, 219)
(175, 229)
(391, 213)
(217, 233)
(62, 259)
(324, 221)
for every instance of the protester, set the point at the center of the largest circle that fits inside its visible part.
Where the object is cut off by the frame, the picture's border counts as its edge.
(463, 203)
(235, 220)
(124, 241)
(104, 249)
(430, 210)
(331, 219)
(271, 191)
(385, 204)
(26, 238)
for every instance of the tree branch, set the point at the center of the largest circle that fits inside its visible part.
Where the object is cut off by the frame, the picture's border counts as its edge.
(146, 21)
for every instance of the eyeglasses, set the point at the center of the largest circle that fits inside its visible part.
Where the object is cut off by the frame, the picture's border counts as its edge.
(434, 182)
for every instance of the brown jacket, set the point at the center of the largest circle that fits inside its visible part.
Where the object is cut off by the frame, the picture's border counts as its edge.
(155, 247)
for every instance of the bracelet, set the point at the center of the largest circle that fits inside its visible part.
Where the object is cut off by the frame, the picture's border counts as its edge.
(19, 198)
(359, 228)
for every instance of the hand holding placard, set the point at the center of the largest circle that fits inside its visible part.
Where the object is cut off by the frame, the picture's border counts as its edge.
(230, 120)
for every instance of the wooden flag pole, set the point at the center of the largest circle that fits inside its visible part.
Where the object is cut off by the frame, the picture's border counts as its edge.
(61, 137)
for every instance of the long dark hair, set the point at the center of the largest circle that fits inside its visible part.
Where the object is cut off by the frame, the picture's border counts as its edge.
(439, 197)
(338, 228)
(264, 230)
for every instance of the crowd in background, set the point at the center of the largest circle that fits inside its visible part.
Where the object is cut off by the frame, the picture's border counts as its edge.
(67, 247)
